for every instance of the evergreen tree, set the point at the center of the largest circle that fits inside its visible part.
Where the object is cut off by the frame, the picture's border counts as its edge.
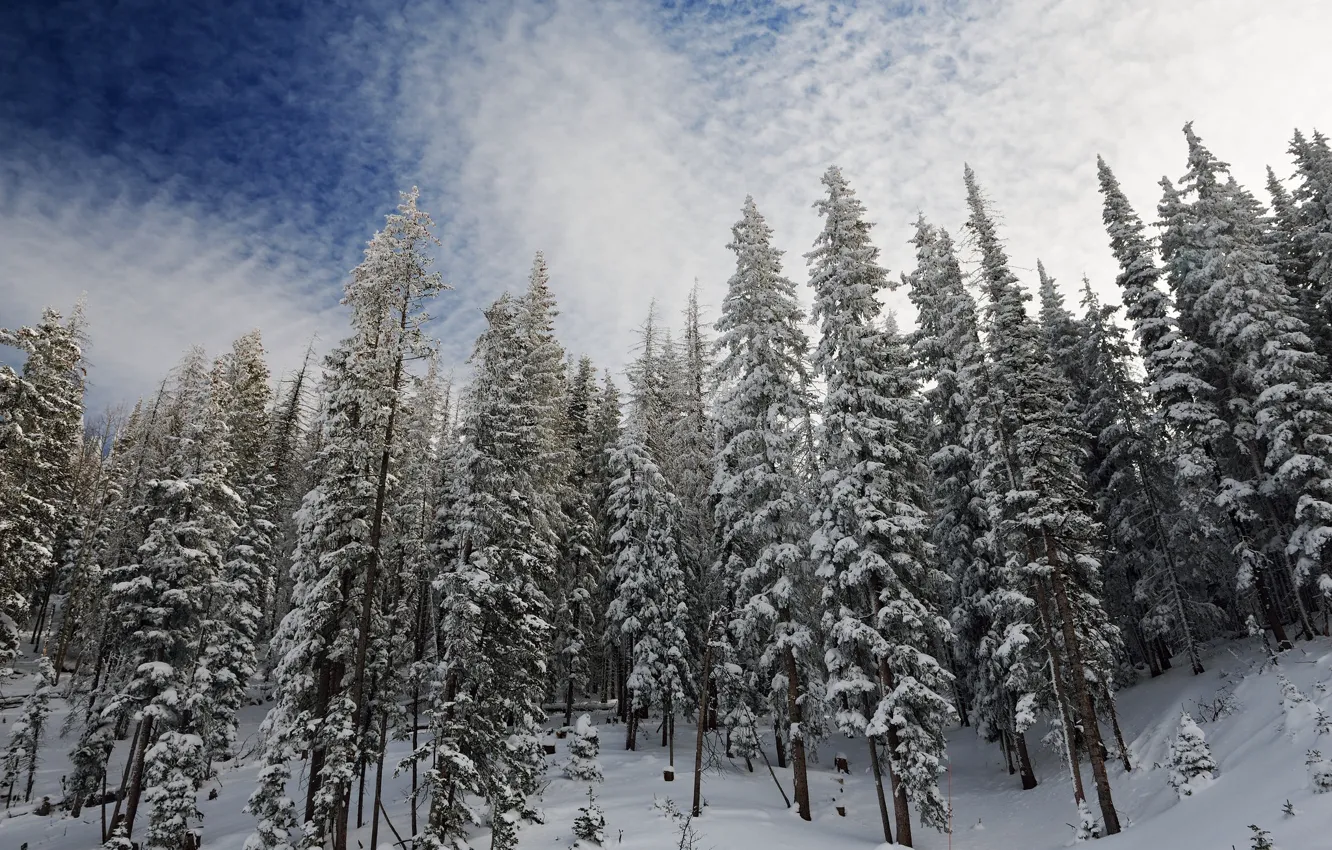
(173, 776)
(161, 603)
(580, 544)
(1044, 513)
(1191, 763)
(996, 663)
(494, 628)
(238, 594)
(1135, 501)
(339, 572)
(650, 609)
(870, 522)
(761, 411)
(1234, 304)
(26, 733)
(583, 765)
(41, 412)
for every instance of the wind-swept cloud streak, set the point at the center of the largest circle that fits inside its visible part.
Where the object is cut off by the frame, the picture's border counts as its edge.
(622, 137)
(195, 200)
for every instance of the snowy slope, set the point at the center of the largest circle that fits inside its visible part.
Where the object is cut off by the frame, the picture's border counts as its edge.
(1260, 749)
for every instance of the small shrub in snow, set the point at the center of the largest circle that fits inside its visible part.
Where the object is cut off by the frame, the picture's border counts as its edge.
(118, 839)
(1222, 704)
(1262, 839)
(1289, 809)
(1322, 722)
(1320, 771)
(1191, 763)
(1088, 826)
(590, 825)
(583, 765)
(1290, 694)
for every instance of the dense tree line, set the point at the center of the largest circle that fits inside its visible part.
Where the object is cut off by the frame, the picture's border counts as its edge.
(802, 523)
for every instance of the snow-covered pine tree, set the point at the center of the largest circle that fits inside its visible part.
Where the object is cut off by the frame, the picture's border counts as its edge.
(870, 523)
(578, 572)
(81, 570)
(688, 469)
(160, 604)
(41, 419)
(996, 664)
(291, 451)
(1308, 223)
(1063, 334)
(239, 593)
(649, 611)
(175, 771)
(1147, 580)
(1045, 516)
(584, 748)
(1277, 444)
(761, 411)
(605, 662)
(504, 526)
(590, 825)
(324, 642)
(26, 733)
(1190, 762)
(120, 527)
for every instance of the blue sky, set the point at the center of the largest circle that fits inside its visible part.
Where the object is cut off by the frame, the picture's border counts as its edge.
(199, 168)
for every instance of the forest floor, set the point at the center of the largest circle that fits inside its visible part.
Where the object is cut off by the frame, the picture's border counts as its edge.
(1260, 749)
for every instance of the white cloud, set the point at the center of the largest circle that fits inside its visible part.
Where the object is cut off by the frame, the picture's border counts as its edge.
(624, 147)
(160, 276)
(623, 144)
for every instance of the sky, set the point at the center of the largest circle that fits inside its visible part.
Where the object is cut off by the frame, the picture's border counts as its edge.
(202, 168)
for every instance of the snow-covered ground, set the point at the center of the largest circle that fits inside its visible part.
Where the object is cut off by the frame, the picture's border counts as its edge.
(1260, 750)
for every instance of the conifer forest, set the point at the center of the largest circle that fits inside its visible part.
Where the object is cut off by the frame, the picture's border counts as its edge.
(987, 552)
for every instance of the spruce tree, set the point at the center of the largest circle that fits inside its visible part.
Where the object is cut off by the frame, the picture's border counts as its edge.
(26, 734)
(870, 522)
(1274, 449)
(650, 609)
(494, 626)
(580, 543)
(41, 411)
(1135, 501)
(1045, 515)
(995, 671)
(339, 570)
(1190, 763)
(762, 411)
(161, 603)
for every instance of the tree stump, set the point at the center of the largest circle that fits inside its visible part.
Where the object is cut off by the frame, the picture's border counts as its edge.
(842, 765)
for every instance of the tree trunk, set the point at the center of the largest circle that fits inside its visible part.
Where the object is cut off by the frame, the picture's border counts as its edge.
(315, 772)
(379, 780)
(779, 742)
(800, 779)
(697, 808)
(142, 736)
(878, 791)
(1024, 761)
(370, 587)
(1173, 577)
(1090, 729)
(1119, 733)
(1006, 748)
(900, 806)
(1057, 681)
